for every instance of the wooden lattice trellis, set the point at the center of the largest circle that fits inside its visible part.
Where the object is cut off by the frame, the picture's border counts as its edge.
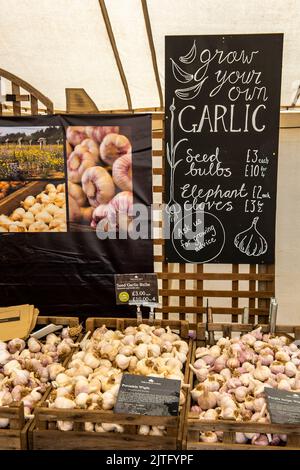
(185, 288)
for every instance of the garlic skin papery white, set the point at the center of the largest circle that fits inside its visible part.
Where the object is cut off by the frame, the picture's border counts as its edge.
(230, 381)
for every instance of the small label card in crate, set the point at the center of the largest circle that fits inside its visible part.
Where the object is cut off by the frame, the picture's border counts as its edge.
(284, 407)
(150, 396)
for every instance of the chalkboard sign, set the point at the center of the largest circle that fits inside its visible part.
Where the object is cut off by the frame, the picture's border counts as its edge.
(152, 396)
(222, 121)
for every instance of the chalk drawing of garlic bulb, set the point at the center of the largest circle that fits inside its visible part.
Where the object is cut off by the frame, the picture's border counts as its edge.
(250, 241)
(173, 208)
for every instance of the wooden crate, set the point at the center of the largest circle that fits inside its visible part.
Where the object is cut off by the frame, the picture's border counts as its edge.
(194, 426)
(15, 436)
(65, 321)
(13, 200)
(43, 436)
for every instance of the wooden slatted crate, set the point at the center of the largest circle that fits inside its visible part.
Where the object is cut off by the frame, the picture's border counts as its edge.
(15, 435)
(185, 288)
(43, 435)
(194, 425)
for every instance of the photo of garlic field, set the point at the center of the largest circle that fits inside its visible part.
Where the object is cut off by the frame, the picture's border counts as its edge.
(99, 172)
(28, 153)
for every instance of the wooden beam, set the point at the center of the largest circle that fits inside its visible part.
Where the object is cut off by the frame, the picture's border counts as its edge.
(115, 51)
(12, 97)
(15, 88)
(152, 49)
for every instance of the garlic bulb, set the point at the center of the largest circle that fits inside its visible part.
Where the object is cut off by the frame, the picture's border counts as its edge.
(122, 361)
(208, 437)
(62, 380)
(18, 214)
(28, 202)
(65, 425)
(4, 422)
(20, 377)
(233, 363)
(52, 339)
(201, 374)
(63, 402)
(5, 398)
(4, 356)
(144, 430)
(82, 400)
(261, 373)
(207, 400)
(282, 356)
(112, 427)
(141, 351)
(11, 366)
(240, 438)
(91, 360)
(210, 415)
(108, 400)
(156, 431)
(290, 369)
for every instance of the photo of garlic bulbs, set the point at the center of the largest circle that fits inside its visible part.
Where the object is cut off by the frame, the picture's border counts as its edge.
(99, 171)
(231, 376)
(28, 367)
(44, 212)
(93, 376)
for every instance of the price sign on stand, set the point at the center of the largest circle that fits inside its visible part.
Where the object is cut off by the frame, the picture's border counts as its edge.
(136, 289)
(152, 396)
(284, 407)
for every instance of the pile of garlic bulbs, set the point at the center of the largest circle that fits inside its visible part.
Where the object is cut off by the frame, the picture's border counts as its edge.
(27, 368)
(232, 376)
(45, 212)
(93, 376)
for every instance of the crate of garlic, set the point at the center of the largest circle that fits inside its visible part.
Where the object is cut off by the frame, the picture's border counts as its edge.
(78, 413)
(226, 403)
(37, 207)
(26, 370)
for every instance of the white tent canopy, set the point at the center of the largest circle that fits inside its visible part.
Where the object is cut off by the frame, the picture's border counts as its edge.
(58, 44)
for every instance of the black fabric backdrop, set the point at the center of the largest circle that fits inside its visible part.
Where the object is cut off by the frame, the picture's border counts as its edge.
(73, 273)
